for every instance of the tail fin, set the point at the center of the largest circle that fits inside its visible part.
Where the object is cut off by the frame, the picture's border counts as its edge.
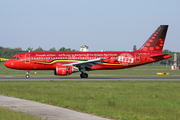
(156, 40)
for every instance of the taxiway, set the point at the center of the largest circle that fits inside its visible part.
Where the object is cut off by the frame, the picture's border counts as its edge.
(90, 79)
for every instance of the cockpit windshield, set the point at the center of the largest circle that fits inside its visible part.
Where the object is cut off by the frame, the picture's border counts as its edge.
(15, 58)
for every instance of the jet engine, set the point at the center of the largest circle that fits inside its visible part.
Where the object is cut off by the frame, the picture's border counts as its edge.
(64, 70)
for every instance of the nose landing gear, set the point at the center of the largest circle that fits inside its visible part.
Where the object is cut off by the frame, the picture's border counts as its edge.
(27, 74)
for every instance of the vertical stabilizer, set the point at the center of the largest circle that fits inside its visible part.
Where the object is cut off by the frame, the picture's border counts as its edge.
(156, 40)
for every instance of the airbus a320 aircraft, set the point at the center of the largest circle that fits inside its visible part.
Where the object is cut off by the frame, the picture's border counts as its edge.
(66, 63)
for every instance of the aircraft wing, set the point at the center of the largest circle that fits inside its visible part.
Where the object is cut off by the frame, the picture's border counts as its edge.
(88, 63)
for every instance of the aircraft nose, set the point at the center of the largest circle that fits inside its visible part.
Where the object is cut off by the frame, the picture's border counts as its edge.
(7, 64)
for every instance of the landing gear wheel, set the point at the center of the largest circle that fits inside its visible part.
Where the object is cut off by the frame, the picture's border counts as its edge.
(27, 76)
(84, 75)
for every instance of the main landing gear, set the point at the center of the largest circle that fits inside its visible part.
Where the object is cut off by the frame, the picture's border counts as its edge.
(27, 74)
(84, 75)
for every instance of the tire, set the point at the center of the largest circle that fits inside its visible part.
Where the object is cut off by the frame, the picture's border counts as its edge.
(27, 76)
(84, 75)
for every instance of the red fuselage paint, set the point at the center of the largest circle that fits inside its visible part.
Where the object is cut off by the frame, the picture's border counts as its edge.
(112, 60)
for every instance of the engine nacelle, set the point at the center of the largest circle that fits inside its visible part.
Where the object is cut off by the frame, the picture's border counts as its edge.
(63, 70)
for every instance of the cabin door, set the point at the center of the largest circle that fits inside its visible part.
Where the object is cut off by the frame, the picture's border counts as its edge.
(137, 58)
(27, 58)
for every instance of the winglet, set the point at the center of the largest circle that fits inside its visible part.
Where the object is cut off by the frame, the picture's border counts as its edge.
(156, 40)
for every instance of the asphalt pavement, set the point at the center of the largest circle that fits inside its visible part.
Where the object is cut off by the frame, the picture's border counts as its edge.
(44, 111)
(90, 79)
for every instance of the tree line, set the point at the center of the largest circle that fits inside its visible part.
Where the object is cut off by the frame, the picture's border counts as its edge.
(39, 49)
(9, 52)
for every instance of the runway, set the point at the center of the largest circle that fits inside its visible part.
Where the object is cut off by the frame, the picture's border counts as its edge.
(90, 79)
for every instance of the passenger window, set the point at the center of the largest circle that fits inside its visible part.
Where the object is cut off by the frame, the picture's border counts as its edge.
(17, 58)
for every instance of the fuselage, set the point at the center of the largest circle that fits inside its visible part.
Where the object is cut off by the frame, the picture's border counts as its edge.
(111, 60)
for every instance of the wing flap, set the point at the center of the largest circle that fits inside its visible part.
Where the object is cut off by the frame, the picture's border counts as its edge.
(88, 63)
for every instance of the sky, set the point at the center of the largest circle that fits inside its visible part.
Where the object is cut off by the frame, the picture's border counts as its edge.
(114, 25)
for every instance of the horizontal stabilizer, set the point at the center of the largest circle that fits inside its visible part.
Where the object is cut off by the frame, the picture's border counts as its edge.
(161, 55)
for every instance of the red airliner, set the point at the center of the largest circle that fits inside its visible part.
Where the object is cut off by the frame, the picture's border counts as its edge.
(66, 63)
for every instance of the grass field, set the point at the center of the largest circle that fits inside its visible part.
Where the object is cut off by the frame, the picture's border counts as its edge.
(6, 114)
(124, 100)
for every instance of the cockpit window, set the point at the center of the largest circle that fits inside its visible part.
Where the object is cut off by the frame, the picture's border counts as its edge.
(15, 58)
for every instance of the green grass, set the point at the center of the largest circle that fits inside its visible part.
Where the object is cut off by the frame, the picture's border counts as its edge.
(6, 114)
(124, 100)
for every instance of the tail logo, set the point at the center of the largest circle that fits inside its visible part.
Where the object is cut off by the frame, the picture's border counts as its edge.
(156, 40)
